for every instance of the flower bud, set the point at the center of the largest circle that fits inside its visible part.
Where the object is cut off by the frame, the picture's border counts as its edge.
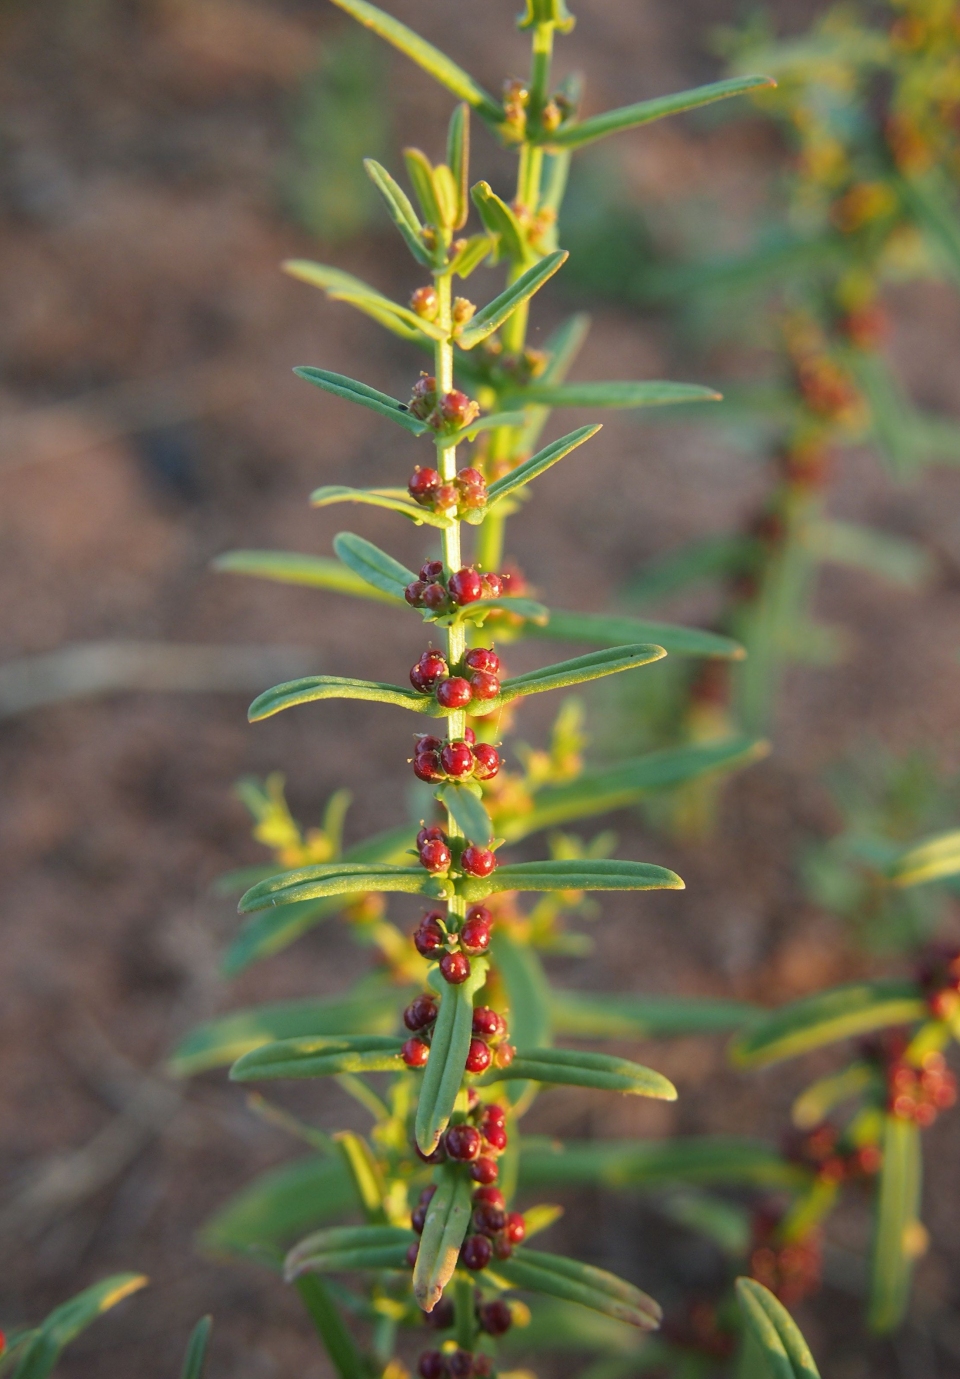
(424, 302)
(463, 310)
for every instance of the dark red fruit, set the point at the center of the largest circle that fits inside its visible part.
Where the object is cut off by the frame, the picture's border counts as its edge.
(472, 478)
(494, 1135)
(475, 939)
(428, 1194)
(455, 408)
(465, 586)
(516, 1228)
(482, 1366)
(418, 1219)
(434, 596)
(429, 744)
(435, 855)
(479, 1057)
(493, 1113)
(431, 668)
(421, 1011)
(446, 496)
(481, 658)
(488, 1219)
(415, 1053)
(414, 593)
(487, 1024)
(469, 736)
(502, 1247)
(424, 396)
(484, 1171)
(460, 1364)
(426, 766)
(412, 1253)
(443, 1315)
(492, 586)
(431, 1365)
(485, 686)
(456, 758)
(423, 484)
(477, 1252)
(455, 968)
(495, 1317)
(462, 1143)
(454, 693)
(477, 861)
(429, 938)
(493, 1195)
(436, 1156)
(431, 570)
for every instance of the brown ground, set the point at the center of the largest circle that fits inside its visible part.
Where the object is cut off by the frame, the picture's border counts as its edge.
(139, 237)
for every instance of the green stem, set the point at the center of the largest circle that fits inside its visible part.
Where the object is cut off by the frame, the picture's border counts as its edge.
(540, 72)
(464, 1304)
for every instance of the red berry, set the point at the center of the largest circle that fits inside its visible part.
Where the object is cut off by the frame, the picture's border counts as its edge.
(484, 1171)
(426, 766)
(423, 484)
(482, 1366)
(454, 693)
(436, 1156)
(428, 1194)
(456, 409)
(431, 1365)
(428, 744)
(418, 1219)
(471, 477)
(462, 1143)
(488, 1219)
(443, 1315)
(493, 1195)
(435, 855)
(482, 658)
(418, 681)
(516, 1228)
(432, 668)
(502, 1247)
(424, 396)
(460, 1364)
(425, 301)
(493, 1113)
(414, 593)
(479, 1057)
(465, 586)
(421, 1011)
(495, 1317)
(492, 586)
(469, 736)
(487, 1024)
(477, 861)
(495, 1135)
(434, 596)
(456, 759)
(445, 496)
(504, 1055)
(415, 1053)
(486, 761)
(431, 570)
(475, 937)
(455, 968)
(412, 1253)
(485, 685)
(430, 938)
(477, 1252)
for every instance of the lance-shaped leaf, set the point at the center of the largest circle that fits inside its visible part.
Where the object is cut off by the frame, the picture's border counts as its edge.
(615, 631)
(815, 1102)
(394, 499)
(312, 688)
(493, 315)
(331, 1328)
(372, 565)
(544, 458)
(278, 1206)
(528, 609)
(580, 132)
(194, 1362)
(421, 174)
(446, 1223)
(639, 1164)
(843, 1013)
(575, 1068)
(645, 1017)
(499, 220)
(560, 1277)
(645, 393)
(353, 391)
(470, 257)
(425, 55)
(774, 1334)
(401, 211)
(344, 287)
(879, 553)
(458, 161)
(933, 860)
(38, 1356)
(366, 1174)
(321, 1055)
(310, 571)
(219, 1042)
(577, 671)
(467, 810)
(580, 874)
(344, 1248)
(335, 878)
(898, 1237)
(448, 1054)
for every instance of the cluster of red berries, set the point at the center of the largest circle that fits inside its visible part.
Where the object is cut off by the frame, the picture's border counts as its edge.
(464, 586)
(791, 1270)
(447, 412)
(454, 1364)
(920, 1094)
(477, 678)
(835, 1162)
(437, 854)
(489, 1032)
(466, 493)
(436, 760)
(938, 973)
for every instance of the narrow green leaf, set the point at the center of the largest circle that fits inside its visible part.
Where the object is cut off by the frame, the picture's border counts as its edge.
(580, 132)
(458, 161)
(344, 287)
(467, 810)
(470, 257)
(635, 1163)
(313, 571)
(40, 1354)
(890, 557)
(572, 1281)
(334, 878)
(495, 313)
(372, 565)
(448, 1055)
(536, 465)
(327, 1251)
(577, 671)
(378, 498)
(313, 688)
(843, 1013)
(815, 1102)
(447, 1220)
(352, 391)
(528, 609)
(645, 1017)
(420, 172)
(647, 393)
(401, 211)
(194, 1362)
(278, 1206)
(586, 874)
(325, 1315)
(498, 219)
(425, 55)
(574, 1068)
(322, 1055)
(615, 631)
(933, 860)
(897, 1230)
(365, 1172)
(780, 1340)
